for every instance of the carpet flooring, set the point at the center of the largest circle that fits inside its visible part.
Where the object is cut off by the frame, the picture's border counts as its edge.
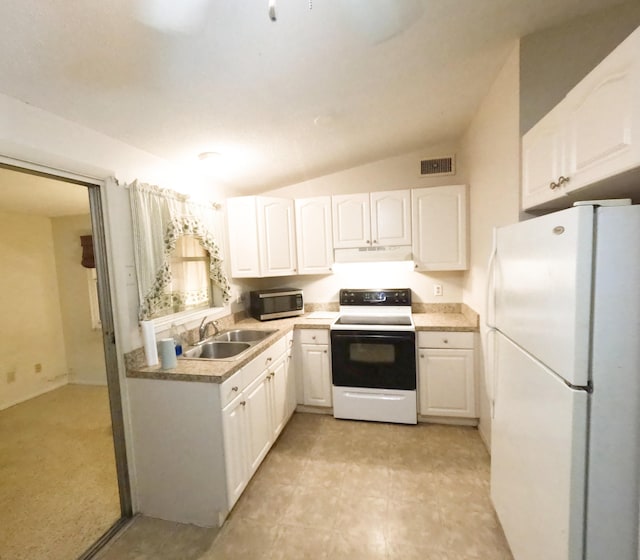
(58, 486)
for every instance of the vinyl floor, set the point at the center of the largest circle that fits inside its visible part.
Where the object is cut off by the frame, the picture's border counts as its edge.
(337, 489)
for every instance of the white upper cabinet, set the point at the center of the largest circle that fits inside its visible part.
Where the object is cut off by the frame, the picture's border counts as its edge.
(591, 138)
(351, 221)
(261, 236)
(440, 228)
(604, 118)
(543, 160)
(376, 219)
(313, 235)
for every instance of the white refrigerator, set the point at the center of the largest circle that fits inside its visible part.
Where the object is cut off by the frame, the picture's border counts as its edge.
(565, 461)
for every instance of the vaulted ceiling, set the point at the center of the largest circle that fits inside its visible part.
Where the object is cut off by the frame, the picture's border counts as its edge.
(327, 86)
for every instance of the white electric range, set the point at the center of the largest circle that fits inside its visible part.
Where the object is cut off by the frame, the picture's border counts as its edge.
(373, 356)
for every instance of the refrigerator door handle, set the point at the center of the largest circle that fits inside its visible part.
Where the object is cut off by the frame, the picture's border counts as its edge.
(490, 294)
(490, 372)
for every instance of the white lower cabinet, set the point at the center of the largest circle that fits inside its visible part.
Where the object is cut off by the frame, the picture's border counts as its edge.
(315, 370)
(197, 445)
(446, 373)
(236, 453)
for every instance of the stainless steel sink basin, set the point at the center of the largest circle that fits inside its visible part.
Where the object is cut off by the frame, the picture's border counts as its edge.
(243, 335)
(216, 350)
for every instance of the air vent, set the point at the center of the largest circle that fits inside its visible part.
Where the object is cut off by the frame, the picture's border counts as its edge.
(438, 166)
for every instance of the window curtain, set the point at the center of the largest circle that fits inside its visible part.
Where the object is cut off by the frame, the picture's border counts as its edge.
(160, 217)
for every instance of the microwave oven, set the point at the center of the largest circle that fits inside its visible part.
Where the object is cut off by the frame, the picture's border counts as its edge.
(276, 303)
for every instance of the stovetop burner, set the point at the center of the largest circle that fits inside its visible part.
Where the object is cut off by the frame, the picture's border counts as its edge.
(373, 320)
(388, 309)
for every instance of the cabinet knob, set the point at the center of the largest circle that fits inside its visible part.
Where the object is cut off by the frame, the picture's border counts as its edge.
(243, 403)
(269, 359)
(553, 185)
(445, 340)
(234, 388)
(325, 351)
(313, 338)
(422, 355)
(562, 180)
(368, 242)
(375, 241)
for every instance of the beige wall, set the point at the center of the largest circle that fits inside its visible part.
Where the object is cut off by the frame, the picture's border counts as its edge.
(30, 323)
(83, 344)
(491, 149)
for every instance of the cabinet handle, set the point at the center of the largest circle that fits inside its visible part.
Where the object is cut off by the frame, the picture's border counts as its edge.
(553, 185)
(562, 180)
(313, 338)
(269, 359)
(422, 355)
(234, 389)
(446, 341)
(375, 241)
(325, 352)
(368, 242)
(243, 403)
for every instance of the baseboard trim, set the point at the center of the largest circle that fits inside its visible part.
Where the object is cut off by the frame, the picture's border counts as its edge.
(449, 420)
(35, 394)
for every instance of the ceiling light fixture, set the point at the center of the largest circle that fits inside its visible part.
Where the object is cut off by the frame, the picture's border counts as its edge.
(208, 156)
(272, 9)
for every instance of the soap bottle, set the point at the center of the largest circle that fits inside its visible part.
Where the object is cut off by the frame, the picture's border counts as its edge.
(176, 339)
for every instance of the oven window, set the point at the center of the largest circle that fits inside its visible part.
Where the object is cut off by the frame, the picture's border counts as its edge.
(372, 353)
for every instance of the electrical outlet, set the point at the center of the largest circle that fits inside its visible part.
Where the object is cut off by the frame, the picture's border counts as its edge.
(11, 376)
(437, 289)
(37, 368)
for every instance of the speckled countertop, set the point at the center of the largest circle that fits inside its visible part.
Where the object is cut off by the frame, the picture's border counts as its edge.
(450, 317)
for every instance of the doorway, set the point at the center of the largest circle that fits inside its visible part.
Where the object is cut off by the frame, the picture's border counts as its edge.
(63, 469)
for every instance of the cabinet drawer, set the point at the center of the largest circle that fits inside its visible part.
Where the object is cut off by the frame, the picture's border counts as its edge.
(439, 339)
(261, 362)
(314, 336)
(231, 388)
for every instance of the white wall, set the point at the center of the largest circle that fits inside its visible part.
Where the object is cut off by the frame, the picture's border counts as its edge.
(83, 344)
(324, 289)
(491, 149)
(400, 172)
(31, 329)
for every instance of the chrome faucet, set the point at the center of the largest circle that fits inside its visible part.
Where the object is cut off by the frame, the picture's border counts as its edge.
(204, 326)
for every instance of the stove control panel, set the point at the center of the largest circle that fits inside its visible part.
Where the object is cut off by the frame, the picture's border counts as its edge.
(391, 297)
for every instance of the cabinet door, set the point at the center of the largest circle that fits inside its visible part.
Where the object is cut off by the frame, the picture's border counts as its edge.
(234, 429)
(277, 236)
(391, 218)
(543, 159)
(351, 221)
(259, 432)
(440, 228)
(604, 120)
(290, 374)
(316, 374)
(447, 382)
(278, 388)
(314, 239)
(244, 251)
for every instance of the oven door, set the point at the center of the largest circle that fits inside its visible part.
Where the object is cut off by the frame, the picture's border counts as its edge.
(374, 359)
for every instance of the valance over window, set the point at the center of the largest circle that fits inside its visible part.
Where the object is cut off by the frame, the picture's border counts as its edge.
(160, 217)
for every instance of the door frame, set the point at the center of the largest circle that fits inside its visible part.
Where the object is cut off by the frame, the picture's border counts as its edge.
(95, 191)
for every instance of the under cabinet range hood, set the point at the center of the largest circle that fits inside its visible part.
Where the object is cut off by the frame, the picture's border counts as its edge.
(373, 254)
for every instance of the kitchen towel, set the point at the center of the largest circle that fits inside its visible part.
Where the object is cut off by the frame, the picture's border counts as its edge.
(149, 342)
(168, 358)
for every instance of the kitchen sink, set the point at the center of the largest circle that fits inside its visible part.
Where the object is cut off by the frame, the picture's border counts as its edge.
(228, 345)
(243, 335)
(215, 350)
